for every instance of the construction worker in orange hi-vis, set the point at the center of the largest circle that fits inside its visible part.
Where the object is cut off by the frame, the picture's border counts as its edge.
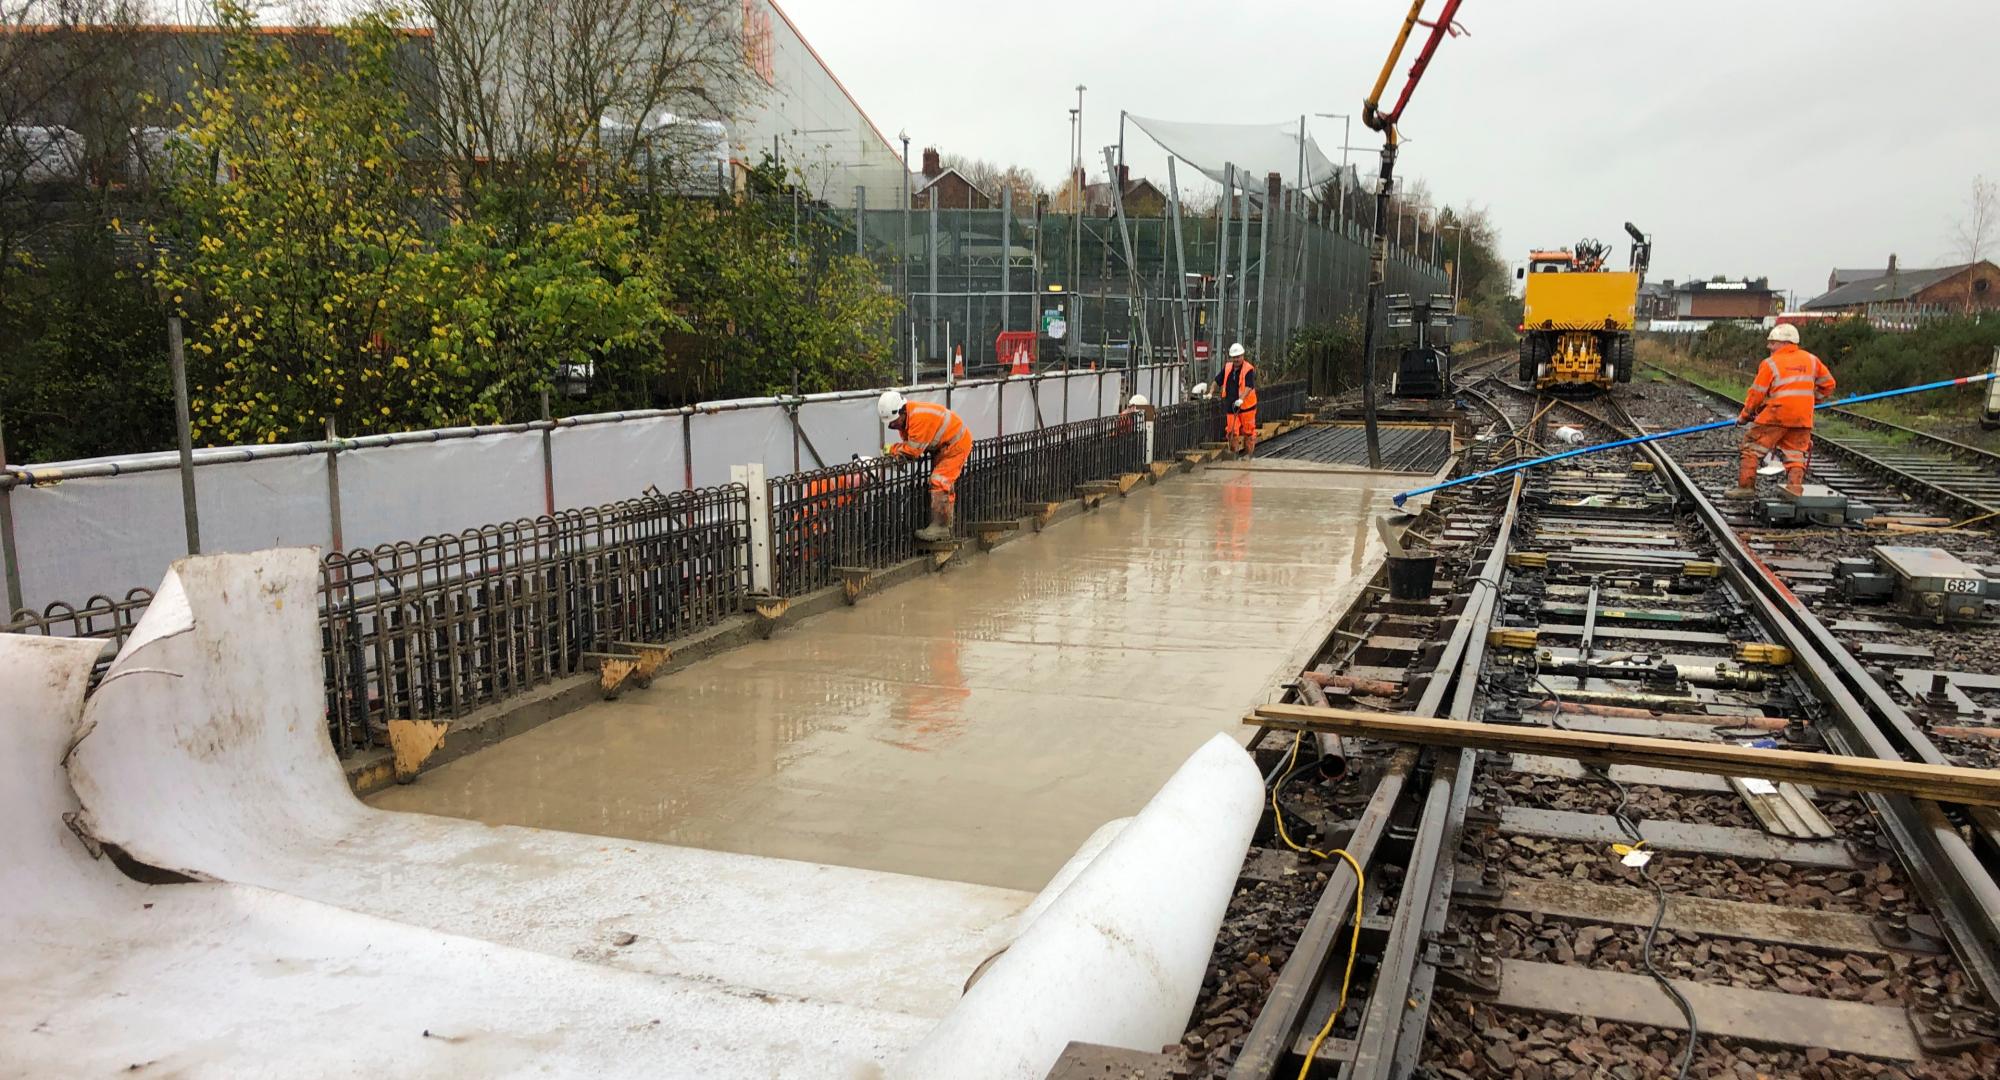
(1236, 385)
(1779, 410)
(932, 431)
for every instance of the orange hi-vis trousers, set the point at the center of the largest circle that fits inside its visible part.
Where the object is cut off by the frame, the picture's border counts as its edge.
(1793, 444)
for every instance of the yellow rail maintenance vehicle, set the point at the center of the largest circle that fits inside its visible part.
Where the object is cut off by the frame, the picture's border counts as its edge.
(1576, 316)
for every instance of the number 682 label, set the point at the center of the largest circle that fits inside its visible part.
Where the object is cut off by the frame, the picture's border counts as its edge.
(1964, 585)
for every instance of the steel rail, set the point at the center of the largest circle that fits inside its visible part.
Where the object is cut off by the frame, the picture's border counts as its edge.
(1963, 503)
(1303, 989)
(1392, 1029)
(1987, 458)
(1959, 887)
(1401, 994)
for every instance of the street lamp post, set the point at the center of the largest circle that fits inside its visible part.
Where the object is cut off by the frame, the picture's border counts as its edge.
(1346, 128)
(1457, 261)
(1076, 240)
(903, 256)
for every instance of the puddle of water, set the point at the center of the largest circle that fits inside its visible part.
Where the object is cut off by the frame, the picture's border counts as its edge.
(975, 725)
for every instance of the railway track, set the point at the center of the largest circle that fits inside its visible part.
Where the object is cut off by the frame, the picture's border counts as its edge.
(1499, 931)
(1899, 465)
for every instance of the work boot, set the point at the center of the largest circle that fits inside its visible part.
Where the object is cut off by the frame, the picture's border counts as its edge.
(934, 534)
(1740, 492)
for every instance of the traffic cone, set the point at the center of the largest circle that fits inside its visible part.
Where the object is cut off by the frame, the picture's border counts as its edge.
(1021, 363)
(958, 361)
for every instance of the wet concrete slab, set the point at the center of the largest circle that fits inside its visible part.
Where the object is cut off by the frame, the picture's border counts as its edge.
(975, 725)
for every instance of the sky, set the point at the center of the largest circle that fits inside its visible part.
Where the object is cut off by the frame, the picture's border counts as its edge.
(1750, 138)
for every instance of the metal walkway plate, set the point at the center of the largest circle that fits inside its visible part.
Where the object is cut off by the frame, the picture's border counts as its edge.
(1404, 449)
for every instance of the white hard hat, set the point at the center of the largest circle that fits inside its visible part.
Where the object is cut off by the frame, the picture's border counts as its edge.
(888, 405)
(1784, 332)
(1138, 401)
(1236, 350)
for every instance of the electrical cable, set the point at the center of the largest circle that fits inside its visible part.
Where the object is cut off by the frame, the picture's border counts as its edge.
(1360, 888)
(1631, 830)
(1659, 916)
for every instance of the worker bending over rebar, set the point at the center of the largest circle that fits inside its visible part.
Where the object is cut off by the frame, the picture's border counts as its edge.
(933, 431)
(1779, 411)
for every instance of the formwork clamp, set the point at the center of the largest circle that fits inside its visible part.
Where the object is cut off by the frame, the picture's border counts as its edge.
(769, 610)
(990, 533)
(854, 582)
(628, 663)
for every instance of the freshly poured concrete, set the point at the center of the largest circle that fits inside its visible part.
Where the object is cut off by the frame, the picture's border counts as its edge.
(976, 725)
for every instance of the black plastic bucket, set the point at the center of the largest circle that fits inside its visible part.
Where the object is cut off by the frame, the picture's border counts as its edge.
(1411, 576)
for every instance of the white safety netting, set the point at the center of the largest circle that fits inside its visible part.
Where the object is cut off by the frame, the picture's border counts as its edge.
(1255, 149)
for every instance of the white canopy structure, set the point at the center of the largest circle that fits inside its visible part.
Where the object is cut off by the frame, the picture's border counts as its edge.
(1255, 149)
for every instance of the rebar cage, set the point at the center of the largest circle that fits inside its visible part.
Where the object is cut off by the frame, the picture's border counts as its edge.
(1280, 400)
(437, 628)
(860, 514)
(440, 627)
(1186, 426)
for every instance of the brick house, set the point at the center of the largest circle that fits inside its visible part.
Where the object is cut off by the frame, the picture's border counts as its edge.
(1741, 299)
(951, 189)
(1970, 286)
(1142, 197)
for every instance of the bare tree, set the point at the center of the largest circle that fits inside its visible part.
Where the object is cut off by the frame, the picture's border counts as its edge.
(993, 179)
(1975, 230)
(524, 85)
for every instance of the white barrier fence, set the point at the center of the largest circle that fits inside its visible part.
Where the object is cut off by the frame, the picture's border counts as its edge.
(103, 526)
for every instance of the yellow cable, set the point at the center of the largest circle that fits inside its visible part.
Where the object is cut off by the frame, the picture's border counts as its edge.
(1956, 524)
(1360, 886)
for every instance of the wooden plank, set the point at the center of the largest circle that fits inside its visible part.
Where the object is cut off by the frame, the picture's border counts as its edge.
(1622, 905)
(1945, 783)
(1759, 1016)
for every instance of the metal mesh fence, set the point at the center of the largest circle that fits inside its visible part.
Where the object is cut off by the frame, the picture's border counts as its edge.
(866, 514)
(969, 275)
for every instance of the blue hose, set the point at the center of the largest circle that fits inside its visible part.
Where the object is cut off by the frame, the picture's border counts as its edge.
(1517, 466)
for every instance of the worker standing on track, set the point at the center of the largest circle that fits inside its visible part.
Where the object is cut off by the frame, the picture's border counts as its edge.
(933, 431)
(1779, 410)
(1236, 385)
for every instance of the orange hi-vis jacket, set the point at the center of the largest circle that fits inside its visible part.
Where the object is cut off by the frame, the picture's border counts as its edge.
(1235, 374)
(1788, 384)
(929, 427)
